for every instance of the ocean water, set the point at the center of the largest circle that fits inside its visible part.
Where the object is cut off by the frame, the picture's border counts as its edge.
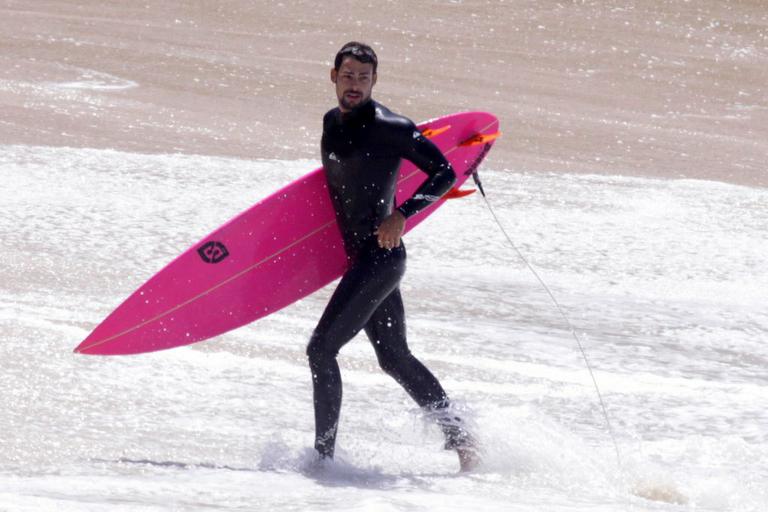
(664, 281)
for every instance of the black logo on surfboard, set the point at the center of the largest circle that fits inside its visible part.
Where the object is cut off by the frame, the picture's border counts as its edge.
(213, 252)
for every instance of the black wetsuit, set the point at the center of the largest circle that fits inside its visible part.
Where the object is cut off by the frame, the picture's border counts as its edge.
(361, 153)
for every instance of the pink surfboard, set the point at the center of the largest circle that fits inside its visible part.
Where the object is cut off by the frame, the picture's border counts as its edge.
(281, 249)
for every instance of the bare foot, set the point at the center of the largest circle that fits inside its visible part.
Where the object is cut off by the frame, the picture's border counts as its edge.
(469, 458)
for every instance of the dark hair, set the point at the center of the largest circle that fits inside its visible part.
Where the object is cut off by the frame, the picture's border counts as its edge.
(359, 51)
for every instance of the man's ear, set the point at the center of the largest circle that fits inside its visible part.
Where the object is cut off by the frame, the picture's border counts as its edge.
(334, 74)
(373, 82)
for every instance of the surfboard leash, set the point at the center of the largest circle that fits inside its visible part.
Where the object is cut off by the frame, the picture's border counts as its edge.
(574, 334)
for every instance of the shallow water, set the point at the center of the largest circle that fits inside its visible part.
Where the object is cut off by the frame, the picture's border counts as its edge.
(663, 280)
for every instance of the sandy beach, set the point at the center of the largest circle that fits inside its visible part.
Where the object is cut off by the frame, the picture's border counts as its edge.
(663, 89)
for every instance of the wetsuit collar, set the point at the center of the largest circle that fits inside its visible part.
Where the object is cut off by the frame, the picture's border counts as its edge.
(358, 114)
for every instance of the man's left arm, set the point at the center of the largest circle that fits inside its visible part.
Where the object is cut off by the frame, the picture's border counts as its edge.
(440, 178)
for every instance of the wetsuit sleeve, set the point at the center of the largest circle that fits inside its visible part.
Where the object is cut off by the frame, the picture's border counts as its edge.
(427, 157)
(327, 124)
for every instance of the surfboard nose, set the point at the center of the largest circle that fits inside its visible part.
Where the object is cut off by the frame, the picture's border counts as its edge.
(88, 346)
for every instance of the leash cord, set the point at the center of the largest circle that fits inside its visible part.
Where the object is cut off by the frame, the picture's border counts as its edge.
(562, 314)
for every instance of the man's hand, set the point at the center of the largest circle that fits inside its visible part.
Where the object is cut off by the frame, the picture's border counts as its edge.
(390, 230)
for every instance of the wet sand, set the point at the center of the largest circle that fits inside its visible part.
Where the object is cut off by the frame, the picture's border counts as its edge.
(657, 88)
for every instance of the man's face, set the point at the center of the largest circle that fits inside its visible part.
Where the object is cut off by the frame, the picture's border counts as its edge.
(354, 82)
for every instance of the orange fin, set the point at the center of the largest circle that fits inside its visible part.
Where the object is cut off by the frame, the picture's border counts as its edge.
(455, 193)
(434, 132)
(478, 139)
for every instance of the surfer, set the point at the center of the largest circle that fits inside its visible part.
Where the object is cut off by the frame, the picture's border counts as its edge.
(362, 146)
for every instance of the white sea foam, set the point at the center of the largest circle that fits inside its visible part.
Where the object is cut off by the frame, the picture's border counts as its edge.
(90, 79)
(664, 280)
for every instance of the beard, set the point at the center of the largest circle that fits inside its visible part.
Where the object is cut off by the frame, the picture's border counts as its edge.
(351, 104)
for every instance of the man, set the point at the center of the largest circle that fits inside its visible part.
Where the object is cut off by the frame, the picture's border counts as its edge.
(362, 147)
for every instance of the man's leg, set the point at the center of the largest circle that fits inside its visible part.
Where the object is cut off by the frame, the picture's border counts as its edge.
(359, 293)
(386, 331)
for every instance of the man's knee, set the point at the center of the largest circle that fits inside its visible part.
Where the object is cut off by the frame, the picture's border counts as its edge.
(394, 363)
(318, 349)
